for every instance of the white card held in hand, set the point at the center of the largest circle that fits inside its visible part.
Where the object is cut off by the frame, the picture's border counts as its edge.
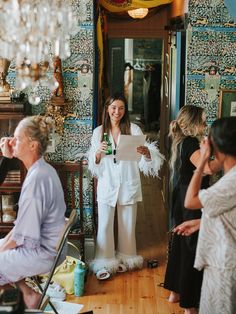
(127, 147)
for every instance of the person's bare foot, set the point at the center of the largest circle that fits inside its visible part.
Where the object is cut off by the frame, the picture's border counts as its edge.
(173, 297)
(32, 299)
(191, 310)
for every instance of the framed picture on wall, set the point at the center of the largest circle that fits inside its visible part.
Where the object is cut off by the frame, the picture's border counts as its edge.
(227, 105)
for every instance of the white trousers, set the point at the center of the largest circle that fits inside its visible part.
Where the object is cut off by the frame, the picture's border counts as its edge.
(126, 247)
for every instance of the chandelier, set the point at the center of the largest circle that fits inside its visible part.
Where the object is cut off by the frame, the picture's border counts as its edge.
(31, 31)
(138, 13)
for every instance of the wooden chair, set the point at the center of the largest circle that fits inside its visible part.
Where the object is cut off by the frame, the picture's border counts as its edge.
(71, 176)
(64, 236)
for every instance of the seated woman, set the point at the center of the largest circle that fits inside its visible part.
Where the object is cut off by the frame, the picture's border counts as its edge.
(30, 247)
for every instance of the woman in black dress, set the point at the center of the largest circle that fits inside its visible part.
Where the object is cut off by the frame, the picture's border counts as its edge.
(181, 278)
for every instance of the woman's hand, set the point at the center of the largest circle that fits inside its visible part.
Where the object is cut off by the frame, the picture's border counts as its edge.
(205, 149)
(101, 150)
(7, 242)
(188, 227)
(6, 147)
(143, 150)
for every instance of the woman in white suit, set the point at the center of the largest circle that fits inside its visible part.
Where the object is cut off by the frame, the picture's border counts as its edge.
(118, 186)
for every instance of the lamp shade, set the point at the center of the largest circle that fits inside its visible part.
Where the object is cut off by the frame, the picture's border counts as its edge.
(138, 13)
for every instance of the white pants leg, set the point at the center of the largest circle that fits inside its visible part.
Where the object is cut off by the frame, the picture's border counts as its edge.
(105, 246)
(126, 216)
(126, 247)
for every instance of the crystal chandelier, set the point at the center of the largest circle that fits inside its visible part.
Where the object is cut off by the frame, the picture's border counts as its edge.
(138, 13)
(30, 32)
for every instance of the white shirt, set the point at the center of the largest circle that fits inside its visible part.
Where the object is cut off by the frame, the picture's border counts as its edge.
(217, 236)
(120, 182)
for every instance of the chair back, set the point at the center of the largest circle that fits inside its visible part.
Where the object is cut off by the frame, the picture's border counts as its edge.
(69, 223)
(63, 238)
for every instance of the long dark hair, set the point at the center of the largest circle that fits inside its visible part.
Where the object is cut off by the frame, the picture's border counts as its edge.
(223, 134)
(124, 122)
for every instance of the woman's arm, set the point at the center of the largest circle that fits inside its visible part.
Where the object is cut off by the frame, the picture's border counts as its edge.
(8, 243)
(96, 153)
(192, 200)
(188, 227)
(4, 166)
(211, 166)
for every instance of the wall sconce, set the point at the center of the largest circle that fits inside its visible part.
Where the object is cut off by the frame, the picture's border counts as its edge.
(138, 13)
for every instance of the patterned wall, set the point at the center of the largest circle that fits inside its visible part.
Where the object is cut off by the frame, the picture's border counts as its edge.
(211, 54)
(78, 82)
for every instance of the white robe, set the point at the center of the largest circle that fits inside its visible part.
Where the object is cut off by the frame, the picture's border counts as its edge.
(216, 249)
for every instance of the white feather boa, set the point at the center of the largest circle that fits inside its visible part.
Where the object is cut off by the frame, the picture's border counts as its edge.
(151, 167)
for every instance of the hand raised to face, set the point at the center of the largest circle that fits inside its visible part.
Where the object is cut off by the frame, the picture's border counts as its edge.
(6, 147)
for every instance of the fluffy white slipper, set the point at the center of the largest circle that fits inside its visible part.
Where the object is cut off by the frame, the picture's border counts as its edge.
(121, 268)
(103, 274)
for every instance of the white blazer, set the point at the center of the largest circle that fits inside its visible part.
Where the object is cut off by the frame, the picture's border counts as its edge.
(120, 182)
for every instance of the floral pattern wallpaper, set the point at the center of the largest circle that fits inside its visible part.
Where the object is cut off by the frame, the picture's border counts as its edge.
(211, 54)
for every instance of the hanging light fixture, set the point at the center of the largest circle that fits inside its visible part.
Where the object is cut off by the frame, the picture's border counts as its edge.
(138, 13)
(31, 31)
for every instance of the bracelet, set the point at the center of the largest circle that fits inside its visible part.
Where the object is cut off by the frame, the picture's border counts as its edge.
(199, 171)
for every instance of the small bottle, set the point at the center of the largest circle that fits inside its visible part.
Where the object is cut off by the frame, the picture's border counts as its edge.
(109, 145)
(79, 274)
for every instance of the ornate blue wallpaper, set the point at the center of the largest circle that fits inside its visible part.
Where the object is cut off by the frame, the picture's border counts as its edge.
(211, 54)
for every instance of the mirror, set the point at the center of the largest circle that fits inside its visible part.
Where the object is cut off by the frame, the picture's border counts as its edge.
(135, 69)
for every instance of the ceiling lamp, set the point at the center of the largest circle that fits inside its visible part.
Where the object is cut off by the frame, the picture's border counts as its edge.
(138, 13)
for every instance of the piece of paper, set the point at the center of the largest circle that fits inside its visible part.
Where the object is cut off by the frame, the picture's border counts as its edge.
(64, 307)
(127, 147)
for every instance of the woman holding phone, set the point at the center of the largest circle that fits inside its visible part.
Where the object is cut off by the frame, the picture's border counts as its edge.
(216, 249)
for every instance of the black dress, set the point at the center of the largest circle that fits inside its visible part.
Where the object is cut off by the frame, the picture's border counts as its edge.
(180, 275)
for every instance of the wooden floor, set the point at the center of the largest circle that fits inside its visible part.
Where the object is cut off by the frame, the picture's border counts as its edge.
(137, 292)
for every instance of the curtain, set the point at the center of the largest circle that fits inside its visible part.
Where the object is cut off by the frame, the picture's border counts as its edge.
(125, 5)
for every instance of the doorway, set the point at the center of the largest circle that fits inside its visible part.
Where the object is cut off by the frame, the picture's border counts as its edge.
(135, 69)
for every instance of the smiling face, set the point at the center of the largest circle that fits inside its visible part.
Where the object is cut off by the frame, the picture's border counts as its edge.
(116, 111)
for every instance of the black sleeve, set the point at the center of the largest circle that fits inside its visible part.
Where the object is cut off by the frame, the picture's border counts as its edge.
(4, 167)
(190, 145)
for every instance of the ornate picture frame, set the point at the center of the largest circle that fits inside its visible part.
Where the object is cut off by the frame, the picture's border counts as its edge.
(227, 106)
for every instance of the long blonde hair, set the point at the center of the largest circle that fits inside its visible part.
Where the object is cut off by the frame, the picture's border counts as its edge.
(189, 122)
